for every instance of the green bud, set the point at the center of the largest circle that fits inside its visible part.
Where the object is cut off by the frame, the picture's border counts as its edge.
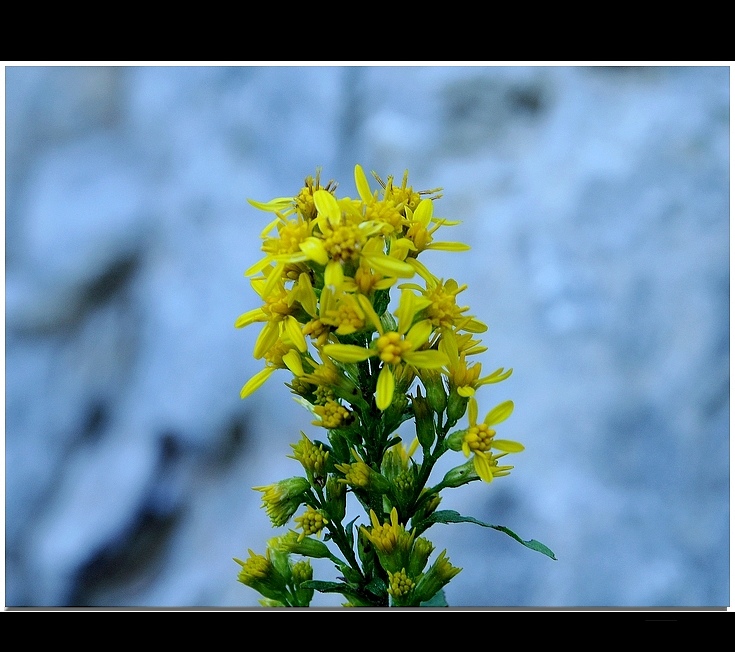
(424, 420)
(308, 546)
(302, 572)
(259, 573)
(422, 549)
(460, 475)
(428, 507)
(436, 395)
(282, 499)
(438, 575)
(455, 439)
(336, 499)
(456, 406)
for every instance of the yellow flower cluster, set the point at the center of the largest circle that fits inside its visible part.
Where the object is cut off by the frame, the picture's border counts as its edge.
(329, 263)
(364, 362)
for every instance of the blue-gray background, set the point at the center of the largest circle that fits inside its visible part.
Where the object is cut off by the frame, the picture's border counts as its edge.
(596, 200)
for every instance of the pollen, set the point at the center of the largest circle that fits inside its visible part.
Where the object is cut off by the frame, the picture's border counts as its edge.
(420, 236)
(444, 310)
(343, 243)
(479, 438)
(391, 347)
(317, 329)
(255, 567)
(305, 199)
(290, 235)
(463, 375)
(345, 318)
(387, 214)
(276, 306)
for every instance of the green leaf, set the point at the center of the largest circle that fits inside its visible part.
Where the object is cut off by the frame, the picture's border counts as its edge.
(450, 516)
(325, 587)
(439, 600)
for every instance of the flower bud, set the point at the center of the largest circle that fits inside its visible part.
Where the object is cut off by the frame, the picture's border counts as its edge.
(456, 406)
(436, 395)
(460, 475)
(439, 574)
(336, 498)
(455, 439)
(282, 499)
(424, 420)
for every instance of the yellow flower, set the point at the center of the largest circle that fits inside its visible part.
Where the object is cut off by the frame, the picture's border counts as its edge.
(400, 584)
(442, 308)
(403, 346)
(282, 499)
(312, 521)
(312, 457)
(466, 379)
(421, 234)
(332, 415)
(479, 439)
(278, 308)
(386, 537)
(341, 240)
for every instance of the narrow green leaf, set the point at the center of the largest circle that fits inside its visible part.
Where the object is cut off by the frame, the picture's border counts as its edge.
(450, 516)
(326, 587)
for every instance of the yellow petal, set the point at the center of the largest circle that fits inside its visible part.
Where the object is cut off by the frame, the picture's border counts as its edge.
(347, 352)
(499, 413)
(258, 267)
(422, 271)
(333, 274)
(314, 250)
(507, 445)
(362, 185)
(293, 331)
(419, 335)
(250, 317)
(465, 391)
(370, 312)
(273, 278)
(426, 359)
(495, 377)
(273, 205)
(327, 205)
(384, 389)
(449, 246)
(423, 212)
(474, 326)
(405, 313)
(267, 338)
(306, 294)
(256, 381)
(293, 361)
(483, 466)
(389, 266)
(472, 411)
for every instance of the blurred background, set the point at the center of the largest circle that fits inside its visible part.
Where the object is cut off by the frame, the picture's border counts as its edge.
(596, 200)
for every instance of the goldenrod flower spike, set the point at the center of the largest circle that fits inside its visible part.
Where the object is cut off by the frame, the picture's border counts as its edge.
(364, 364)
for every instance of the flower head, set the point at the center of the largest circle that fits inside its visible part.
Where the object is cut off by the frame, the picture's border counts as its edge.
(479, 439)
(407, 345)
(311, 522)
(282, 499)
